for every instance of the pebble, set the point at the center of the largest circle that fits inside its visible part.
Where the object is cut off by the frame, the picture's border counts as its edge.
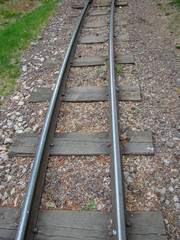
(170, 144)
(28, 129)
(129, 180)
(24, 123)
(13, 171)
(16, 98)
(102, 75)
(5, 196)
(3, 156)
(175, 198)
(171, 189)
(20, 119)
(35, 127)
(100, 206)
(8, 140)
(175, 139)
(177, 205)
(40, 81)
(24, 68)
(166, 161)
(42, 59)
(19, 131)
(20, 103)
(126, 174)
(32, 120)
(9, 178)
(167, 202)
(2, 187)
(5, 202)
(13, 117)
(24, 170)
(40, 112)
(34, 44)
(13, 191)
(16, 201)
(166, 221)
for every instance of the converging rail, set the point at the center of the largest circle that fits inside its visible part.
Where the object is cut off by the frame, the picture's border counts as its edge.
(31, 203)
(116, 159)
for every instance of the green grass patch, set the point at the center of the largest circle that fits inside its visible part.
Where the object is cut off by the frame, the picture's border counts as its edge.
(171, 9)
(175, 3)
(91, 205)
(106, 65)
(119, 69)
(16, 37)
(177, 90)
(167, 13)
(5, 23)
(139, 111)
(9, 14)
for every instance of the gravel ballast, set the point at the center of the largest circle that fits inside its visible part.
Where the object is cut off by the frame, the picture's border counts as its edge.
(151, 183)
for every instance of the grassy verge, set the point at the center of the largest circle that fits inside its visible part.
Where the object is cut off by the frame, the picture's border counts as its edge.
(16, 37)
(175, 3)
(172, 10)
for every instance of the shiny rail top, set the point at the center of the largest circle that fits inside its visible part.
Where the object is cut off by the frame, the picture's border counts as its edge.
(119, 230)
(22, 227)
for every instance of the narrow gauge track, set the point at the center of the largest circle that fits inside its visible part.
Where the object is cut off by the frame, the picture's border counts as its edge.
(108, 143)
(32, 200)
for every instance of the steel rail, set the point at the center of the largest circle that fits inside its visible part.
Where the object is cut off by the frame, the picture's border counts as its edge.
(25, 214)
(119, 227)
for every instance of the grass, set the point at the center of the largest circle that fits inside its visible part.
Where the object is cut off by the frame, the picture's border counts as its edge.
(16, 36)
(177, 90)
(91, 205)
(48, 204)
(119, 69)
(106, 65)
(172, 10)
(175, 3)
(9, 14)
(87, 71)
(167, 13)
(139, 111)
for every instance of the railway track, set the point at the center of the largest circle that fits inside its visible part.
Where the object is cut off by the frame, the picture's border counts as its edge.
(114, 142)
